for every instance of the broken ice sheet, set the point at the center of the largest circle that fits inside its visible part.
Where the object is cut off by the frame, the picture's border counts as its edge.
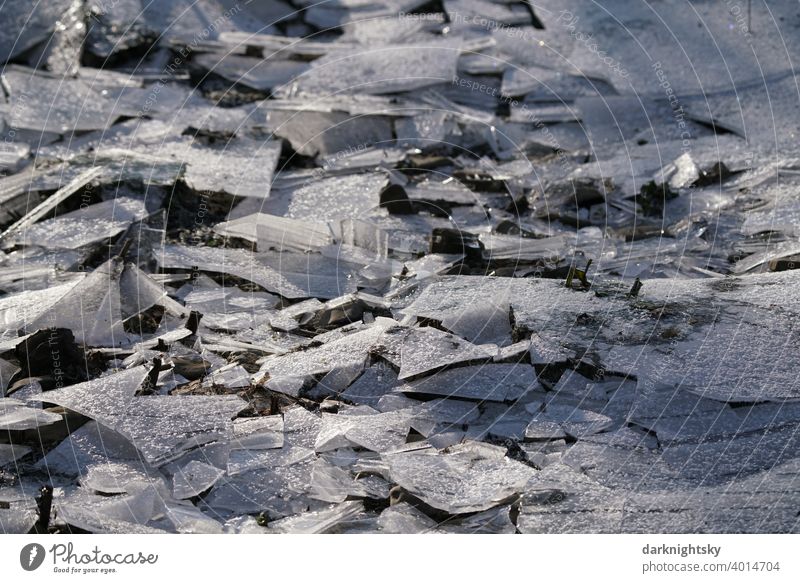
(425, 350)
(471, 477)
(301, 427)
(781, 211)
(493, 521)
(320, 521)
(17, 416)
(718, 462)
(139, 292)
(325, 132)
(572, 420)
(380, 23)
(543, 89)
(64, 105)
(193, 479)
(675, 415)
(485, 322)
(114, 477)
(246, 460)
(427, 129)
(753, 110)
(383, 69)
(262, 74)
(171, 19)
(373, 384)
(186, 518)
(27, 25)
(113, 28)
(18, 517)
(218, 303)
(17, 309)
(278, 233)
(630, 469)
(121, 513)
(278, 490)
(708, 363)
(345, 13)
(101, 396)
(487, 382)
(562, 500)
(230, 377)
(10, 453)
(160, 427)
(240, 167)
(618, 444)
(379, 432)
(87, 225)
(330, 197)
(331, 483)
(91, 309)
(258, 432)
(12, 155)
(403, 518)
(348, 350)
(163, 427)
(297, 277)
(90, 445)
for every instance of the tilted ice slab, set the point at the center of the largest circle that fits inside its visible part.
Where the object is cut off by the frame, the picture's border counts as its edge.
(91, 310)
(163, 427)
(16, 310)
(320, 521)
(62, 105)
(85, 226)
(383, 69)
(17, 416)
(280, 233)
(109, 514)
(160, 427)
(379, 432)
(487, 382)
(349, 350)
(324, 198)
(470, 478)
(292, 278)
(10, 453)
(240, 167)
(194, 478)
(424, 350)
(91, 445)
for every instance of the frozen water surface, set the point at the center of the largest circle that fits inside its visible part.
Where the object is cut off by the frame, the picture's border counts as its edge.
(327, 267)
